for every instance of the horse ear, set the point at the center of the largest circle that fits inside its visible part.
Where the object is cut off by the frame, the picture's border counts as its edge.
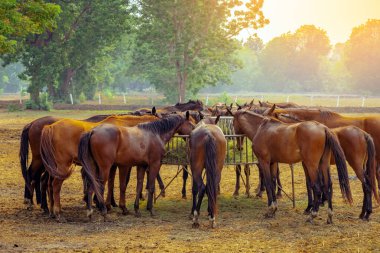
(238, 105)
(154, 112)
(229, 111)
(187, 115)
(251, 104)
(270, 111)
(261, 104)
(217, 119)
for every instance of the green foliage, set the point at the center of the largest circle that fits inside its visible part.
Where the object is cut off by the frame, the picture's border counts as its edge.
(14, 108)
(43, 104)
(21, 18)
(225, 98)
(108, 93)
(82, 97)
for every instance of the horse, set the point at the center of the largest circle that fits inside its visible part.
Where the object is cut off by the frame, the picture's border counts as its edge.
(59, 150)
(31, 133)
(359, 150)
(370, 124)
(142, 145)
(191, 105)
(207, 150)
(309, 142)
(279, 105)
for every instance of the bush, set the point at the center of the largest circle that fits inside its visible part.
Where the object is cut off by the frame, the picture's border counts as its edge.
(14, 108)
(108, 93)
(43, 104)
(82, 97)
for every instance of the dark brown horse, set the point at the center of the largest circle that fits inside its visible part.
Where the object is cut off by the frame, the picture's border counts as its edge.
(142, 145)
(207, 150)
(359, 150)
(370, 124)
(309, 142)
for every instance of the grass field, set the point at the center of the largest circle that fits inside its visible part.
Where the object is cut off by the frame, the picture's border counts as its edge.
(241, 224)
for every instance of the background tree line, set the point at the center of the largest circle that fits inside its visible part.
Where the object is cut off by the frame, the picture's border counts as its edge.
(179, 47)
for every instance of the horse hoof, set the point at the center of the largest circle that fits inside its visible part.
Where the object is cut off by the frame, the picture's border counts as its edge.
(45, 210)
(279, 196)
(306, 212)
(213, 224)
(259, 195)
(29, 208)
(61, 219)
(108, 206)
(236, 194)
(361, 216)
(163, 193)
(195, 225)
(184, 197)
(191, 216)
(137, 214)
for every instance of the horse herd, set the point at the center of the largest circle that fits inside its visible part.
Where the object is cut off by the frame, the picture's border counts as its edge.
(282, 133)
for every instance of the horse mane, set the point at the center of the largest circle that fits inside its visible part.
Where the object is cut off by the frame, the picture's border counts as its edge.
(162, 126)
(292, 117)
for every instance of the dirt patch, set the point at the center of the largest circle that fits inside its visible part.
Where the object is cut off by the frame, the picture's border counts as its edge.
(241, 225)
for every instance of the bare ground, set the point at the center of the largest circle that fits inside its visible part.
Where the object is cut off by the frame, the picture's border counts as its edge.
(241, 225)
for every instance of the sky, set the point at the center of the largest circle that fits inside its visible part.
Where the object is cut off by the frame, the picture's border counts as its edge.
(336, 17)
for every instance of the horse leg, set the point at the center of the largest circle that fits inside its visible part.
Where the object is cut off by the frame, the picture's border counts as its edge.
(367, 201)
(153, 171)
(247, 173)
(199, 185)
(309, 191)
(237, 185)
(112, 176)
(265, 168)
(110, 186)
(139, 187)
(261, 186)
(273, 171)
(317, 193)
(57, 185)
(123, 171)
(51, 199)
(279, 185)
(44, 188)
(161, 185)
(194, 191)
(185, 175)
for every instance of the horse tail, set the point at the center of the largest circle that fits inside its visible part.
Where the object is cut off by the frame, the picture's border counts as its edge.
(47, 151)
(24, 151)
(370, 168)
(211, 173)
(89, 165)
(340, 160)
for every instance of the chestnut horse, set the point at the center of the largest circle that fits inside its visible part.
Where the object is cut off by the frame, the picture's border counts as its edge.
(309, 142)
(142, 145)
(59, 150)
(359, 150)
(31, 133)
(207, 150)
(370, 124)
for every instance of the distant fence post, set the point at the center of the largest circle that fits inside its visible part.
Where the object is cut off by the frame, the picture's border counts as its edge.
(235, 99)
(71, 99)
(125, 101)
(100, 99)
(207, 100)
(337, 101)
(363, 101)
(287, 99)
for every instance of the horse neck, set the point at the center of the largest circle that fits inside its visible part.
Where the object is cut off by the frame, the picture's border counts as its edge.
(165, 137)
(249, 124)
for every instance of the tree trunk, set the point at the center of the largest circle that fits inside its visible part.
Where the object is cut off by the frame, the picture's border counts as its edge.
(34, 94)
(65, 86)
(181, 82)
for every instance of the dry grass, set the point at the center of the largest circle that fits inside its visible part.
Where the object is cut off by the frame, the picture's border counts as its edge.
(241, 225)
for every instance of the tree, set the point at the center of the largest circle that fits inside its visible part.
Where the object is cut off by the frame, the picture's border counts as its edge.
(21, 18)
(184, 45)
(295, 59)
(63, 60)
(363, 56)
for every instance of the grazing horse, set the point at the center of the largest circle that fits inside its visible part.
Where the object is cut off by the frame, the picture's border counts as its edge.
(59, 150)
(370, 124)
(309, 142)
(207, 150)
(359, 150)
(141, 145)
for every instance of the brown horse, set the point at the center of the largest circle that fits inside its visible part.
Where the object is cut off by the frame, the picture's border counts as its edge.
(309, 142)
(142, 145)
(359, 150)
(370, 124)
(31, 133)
(59, 149)
(207, 150)
(279, 105)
